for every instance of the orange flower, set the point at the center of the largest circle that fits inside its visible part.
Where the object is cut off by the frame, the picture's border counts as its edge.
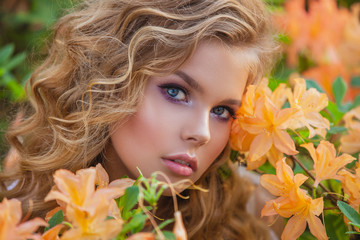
(318, 31)
(308, 104)
(292, 203)
(350, 47)
(79, 190)
(293, 22)
(269, 125)
(284, 181)
(92, 225)
(325, 30)
(351, 184)
(10, 226)
(253, 93)
(326, 164)
(265, 122)
(86, 207)
(350, 143)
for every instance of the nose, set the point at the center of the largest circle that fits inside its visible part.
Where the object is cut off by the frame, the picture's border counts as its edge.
(196, 130)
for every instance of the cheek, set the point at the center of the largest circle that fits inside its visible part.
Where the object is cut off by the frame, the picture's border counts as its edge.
(219, 138)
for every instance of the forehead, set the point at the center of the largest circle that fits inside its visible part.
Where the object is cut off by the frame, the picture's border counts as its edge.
(220, 68)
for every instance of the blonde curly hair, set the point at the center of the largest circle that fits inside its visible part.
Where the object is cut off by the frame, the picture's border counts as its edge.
(100, 58)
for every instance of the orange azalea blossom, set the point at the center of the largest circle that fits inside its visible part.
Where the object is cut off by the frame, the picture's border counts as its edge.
(292, 203)
(79, 190)
(293, 22)
(350, 143)
(269, 125)
(350, 47)
(326, 30)
(264, 122)
(240, 139)
(92, 225)
(11, 227)
(253, 93)
(351, 184)
(308, 104)
(319, 30)
(326, 164)
(86, 207)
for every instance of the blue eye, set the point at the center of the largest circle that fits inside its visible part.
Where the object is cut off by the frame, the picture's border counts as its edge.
(174, 93)
(223, 113)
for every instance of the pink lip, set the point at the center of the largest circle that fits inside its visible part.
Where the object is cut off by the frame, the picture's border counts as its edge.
(179, 168)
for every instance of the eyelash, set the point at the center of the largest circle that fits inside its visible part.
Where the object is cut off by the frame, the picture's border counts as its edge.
(165, 91)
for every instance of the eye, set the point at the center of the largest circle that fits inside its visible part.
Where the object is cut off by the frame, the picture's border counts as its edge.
(223, 113)
(174, 93)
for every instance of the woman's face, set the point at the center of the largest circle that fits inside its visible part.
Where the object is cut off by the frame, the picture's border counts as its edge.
(183, 122)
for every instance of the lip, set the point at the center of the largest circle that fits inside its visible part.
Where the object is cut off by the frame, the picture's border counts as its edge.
(179, 168)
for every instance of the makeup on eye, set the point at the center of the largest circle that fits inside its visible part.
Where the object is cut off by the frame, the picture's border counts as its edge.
(174, 92)
(223, 112)
(177, 94)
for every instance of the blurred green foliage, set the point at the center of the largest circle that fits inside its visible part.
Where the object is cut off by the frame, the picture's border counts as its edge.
(24, 27)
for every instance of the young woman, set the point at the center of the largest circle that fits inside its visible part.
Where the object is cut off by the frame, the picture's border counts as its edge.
(152, 84)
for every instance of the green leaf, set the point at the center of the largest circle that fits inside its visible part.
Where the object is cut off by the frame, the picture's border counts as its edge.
(166, 222)
(267, 168)
(356, 101)
(346, 107)
(339, 89)
(169, 235)
(350, 213)
(283, 38)
(335, 227)
(336, 114)
(337, 129)
(312, 84)
(307, 236)
(5, 53)
(17, 91)
(19, 58)
(136, 224)
(355, 81)
(128, 201)
(56, 219)
(352, 232)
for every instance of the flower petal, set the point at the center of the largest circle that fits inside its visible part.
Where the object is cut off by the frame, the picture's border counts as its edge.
(284, 142)
(272, 184)
(316, 227)
(260, 146)
(294, 228)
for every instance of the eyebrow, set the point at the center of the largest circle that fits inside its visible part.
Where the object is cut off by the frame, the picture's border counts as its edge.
(189, 80)
(195, 85)
(231, 101)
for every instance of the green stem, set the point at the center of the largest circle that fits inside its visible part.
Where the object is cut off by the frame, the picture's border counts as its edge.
(314, 193)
